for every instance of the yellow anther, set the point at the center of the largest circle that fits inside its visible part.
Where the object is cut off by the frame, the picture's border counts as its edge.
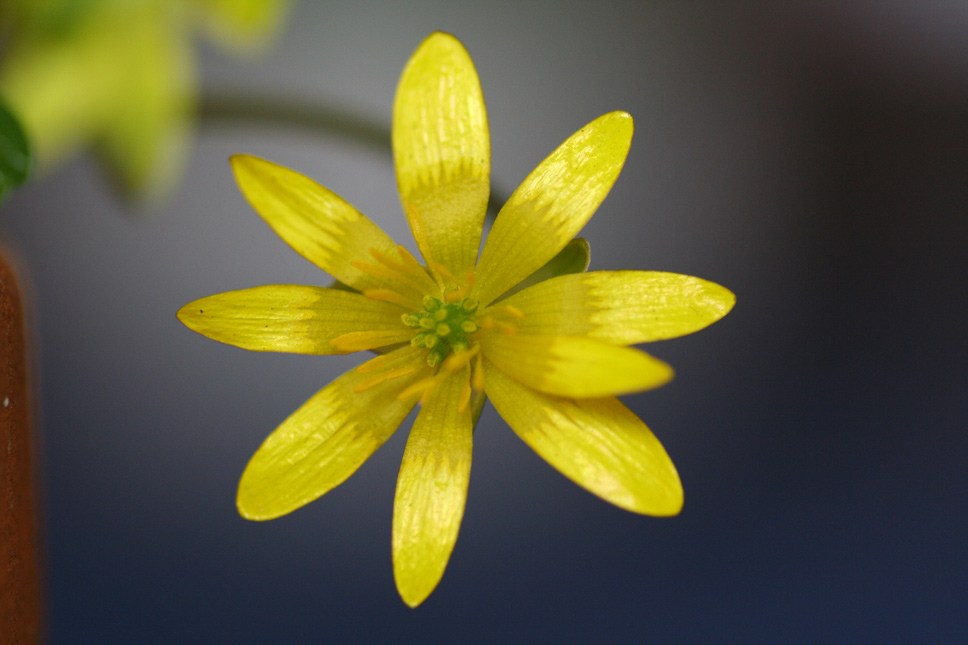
(455, 362)
(465, 397)
(356, 341)
(454, 296)
(381, 377)
(408, 258)
(443, 329)
(440, 314)
(420, 387)
(389, 295)
(477, 377)
(468, 326)
(374, 364)
(508, 310)
(427, 323)
(506, 327)
(443, 271)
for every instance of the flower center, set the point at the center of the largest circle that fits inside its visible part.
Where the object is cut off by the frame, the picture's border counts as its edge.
(444, 327)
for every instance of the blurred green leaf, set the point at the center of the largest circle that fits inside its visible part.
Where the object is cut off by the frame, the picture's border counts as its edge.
(14, 152)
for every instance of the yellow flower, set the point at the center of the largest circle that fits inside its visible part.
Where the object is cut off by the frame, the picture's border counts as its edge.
(551, 357)
(118, 75)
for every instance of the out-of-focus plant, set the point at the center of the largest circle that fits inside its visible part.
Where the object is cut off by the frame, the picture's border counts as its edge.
(118, 76)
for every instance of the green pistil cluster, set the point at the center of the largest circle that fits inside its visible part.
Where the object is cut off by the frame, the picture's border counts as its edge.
(444, 328)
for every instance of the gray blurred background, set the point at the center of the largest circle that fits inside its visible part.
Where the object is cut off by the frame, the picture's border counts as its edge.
(810, 156)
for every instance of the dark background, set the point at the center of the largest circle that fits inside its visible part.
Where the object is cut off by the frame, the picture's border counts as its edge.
(810, 156)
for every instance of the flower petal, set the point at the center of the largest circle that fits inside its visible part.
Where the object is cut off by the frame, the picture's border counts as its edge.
(574, 366)
(320, 225)
(553, 203)
(597, 443)
(574, 258)
(291, 318)
(431, 490)
(442, 152)
(323, 442)
(621, 307)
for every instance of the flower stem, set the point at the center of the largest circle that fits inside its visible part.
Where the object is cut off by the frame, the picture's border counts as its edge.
(20, 606)
(307, 115)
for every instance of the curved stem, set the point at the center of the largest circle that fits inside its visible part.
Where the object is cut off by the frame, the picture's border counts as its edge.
(20, 601)
(308, 115)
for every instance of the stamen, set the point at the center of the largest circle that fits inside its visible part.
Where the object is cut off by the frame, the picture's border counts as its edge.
(381, 377)
(387, 261)
(453, 296)
(389, 295)
(506, 327)
(376, 363)
(511, 310)
(477, 377)
(421, 387)
(456, 361)
(356, 341)
(442, 270)
(465, 397)
(408, 258)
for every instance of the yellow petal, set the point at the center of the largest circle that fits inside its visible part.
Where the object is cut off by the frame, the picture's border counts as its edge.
(319, 224)
(597, 443)
(621, 307)
(292, 318)
(431, 490)
(552, 204)
(574, 366)
(326, 440)
(442, 152)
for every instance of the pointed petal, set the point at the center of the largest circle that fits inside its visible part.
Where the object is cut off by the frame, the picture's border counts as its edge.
(319, 224)
(574, 366)
(597, 443)
(574, 258)
(442, 152)
(292, 318)
(621, 307)
(326, 440)
(553, 203)
(431, 490)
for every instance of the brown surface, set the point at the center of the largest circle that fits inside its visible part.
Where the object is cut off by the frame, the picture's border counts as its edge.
(19, 573)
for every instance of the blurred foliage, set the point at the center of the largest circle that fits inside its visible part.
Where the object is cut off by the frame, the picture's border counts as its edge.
(14, 152)
(118, 76)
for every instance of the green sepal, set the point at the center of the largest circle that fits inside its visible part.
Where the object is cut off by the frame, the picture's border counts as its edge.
(15, 160)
